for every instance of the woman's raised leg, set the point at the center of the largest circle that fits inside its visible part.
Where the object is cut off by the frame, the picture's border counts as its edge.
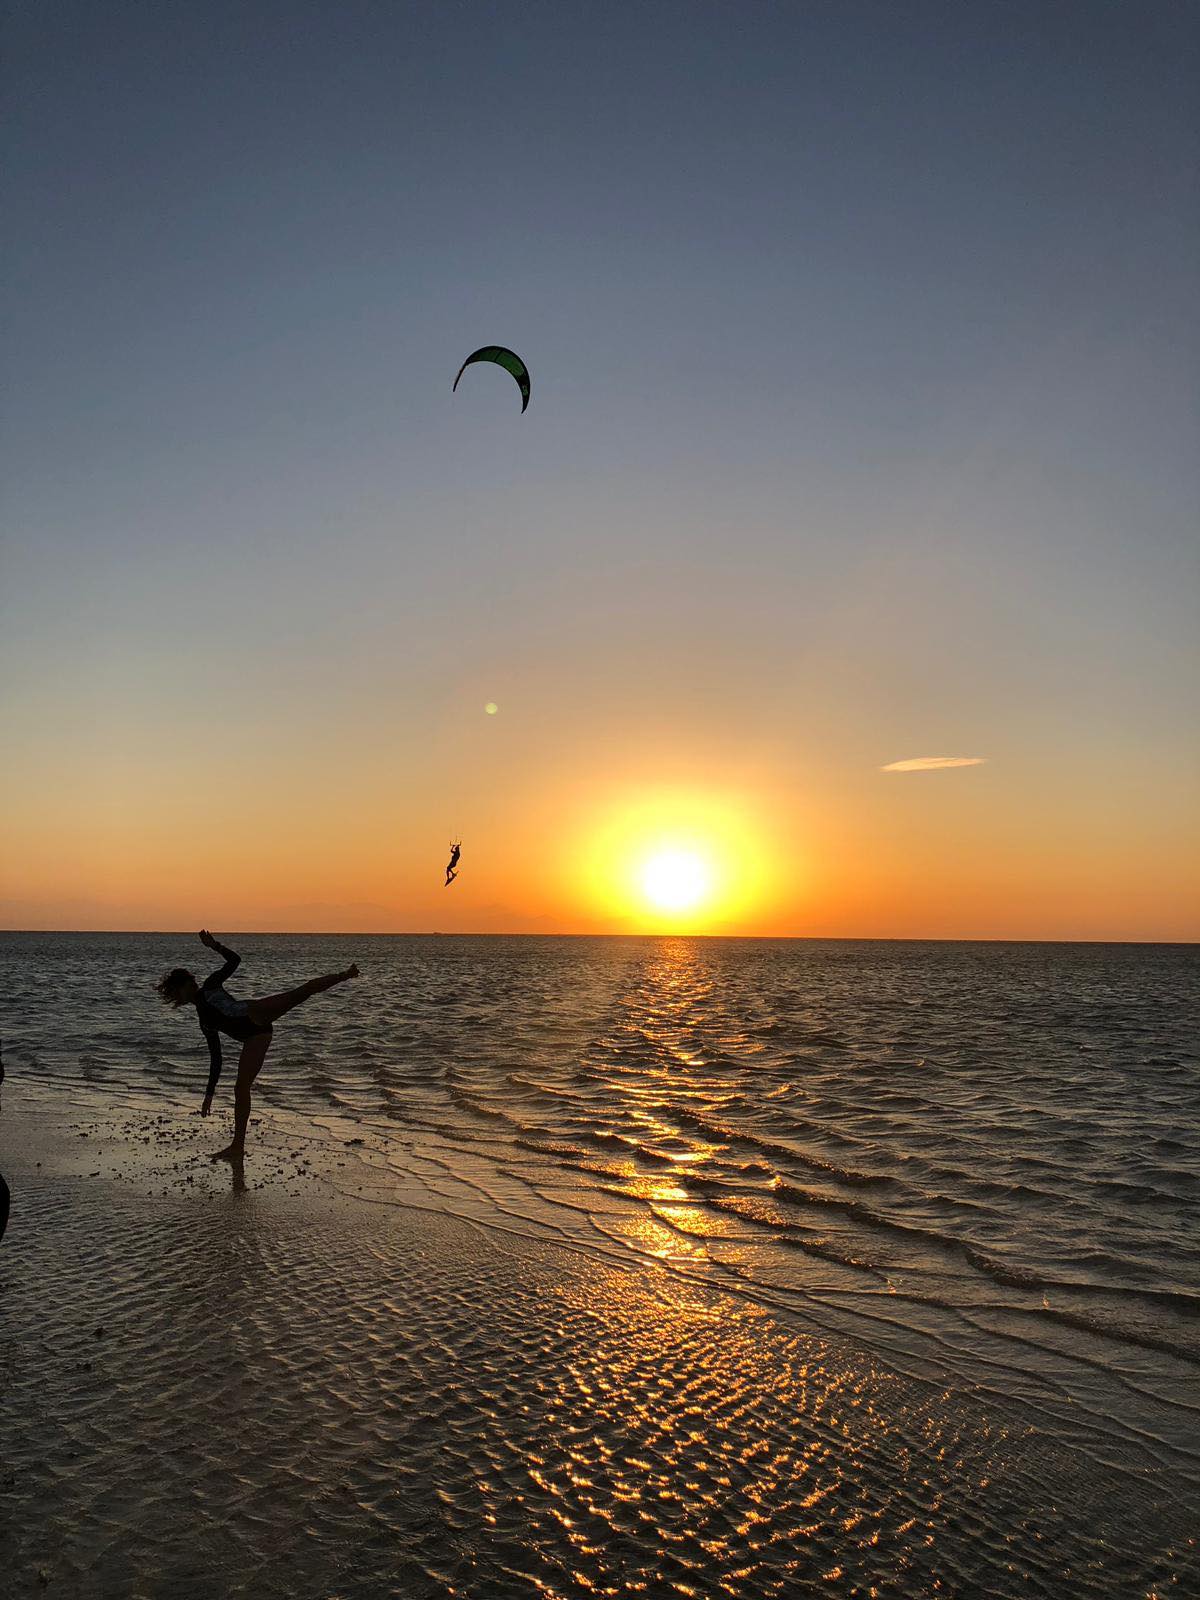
(273, 1006)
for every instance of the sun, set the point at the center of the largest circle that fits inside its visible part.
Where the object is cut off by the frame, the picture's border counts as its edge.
(670, 859)
(676, 880)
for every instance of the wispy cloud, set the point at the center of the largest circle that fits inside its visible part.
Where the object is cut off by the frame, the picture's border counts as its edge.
(933, 763)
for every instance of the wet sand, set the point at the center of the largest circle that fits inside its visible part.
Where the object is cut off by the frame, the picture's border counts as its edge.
(286, 1391)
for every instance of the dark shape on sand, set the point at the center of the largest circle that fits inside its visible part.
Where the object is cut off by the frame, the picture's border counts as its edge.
(508, 359)
(3, 1185)
(247, 1021)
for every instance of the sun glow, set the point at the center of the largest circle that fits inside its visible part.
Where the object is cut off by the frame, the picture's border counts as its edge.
(676, 880)
(672, 861)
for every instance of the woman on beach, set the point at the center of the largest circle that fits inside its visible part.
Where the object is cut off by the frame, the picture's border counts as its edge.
(247, 1021)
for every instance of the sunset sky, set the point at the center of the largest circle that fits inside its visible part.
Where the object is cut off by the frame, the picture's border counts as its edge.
(863, 432)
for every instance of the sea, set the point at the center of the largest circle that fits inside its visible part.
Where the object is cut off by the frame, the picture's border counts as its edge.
(980, 1162)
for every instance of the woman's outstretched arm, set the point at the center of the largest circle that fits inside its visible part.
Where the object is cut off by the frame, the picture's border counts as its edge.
(232, 961)
(213, 1039)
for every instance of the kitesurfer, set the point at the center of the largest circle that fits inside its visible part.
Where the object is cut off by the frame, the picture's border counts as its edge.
(452, 866)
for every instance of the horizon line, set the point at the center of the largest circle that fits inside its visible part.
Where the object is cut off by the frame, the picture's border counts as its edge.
(493, 933)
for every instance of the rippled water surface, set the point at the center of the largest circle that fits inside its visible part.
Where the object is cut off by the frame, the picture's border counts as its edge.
(981, 1162)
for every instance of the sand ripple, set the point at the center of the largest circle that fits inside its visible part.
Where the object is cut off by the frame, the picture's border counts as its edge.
(263, 1395)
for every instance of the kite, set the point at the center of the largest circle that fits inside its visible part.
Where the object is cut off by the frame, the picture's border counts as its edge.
(503, 358)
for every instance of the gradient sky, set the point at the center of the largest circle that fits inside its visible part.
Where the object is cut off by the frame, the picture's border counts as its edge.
(863, 429)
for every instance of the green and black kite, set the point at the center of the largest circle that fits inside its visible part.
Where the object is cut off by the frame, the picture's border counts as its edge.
(503, 358)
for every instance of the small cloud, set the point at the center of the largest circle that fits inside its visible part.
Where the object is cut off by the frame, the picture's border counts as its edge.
(933, 763)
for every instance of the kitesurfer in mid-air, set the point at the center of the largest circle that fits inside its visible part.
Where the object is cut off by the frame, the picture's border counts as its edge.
(452, 866)
(247, 1021)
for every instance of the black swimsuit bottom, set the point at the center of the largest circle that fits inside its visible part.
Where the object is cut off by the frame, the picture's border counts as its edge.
(239, 1028)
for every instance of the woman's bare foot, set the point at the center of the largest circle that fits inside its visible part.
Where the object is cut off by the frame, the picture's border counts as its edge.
(230, 1153)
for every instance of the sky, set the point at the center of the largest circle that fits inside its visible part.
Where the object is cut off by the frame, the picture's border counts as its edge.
(863, 432)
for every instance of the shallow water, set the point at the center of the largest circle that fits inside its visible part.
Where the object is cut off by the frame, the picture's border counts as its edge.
(980, 1161)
